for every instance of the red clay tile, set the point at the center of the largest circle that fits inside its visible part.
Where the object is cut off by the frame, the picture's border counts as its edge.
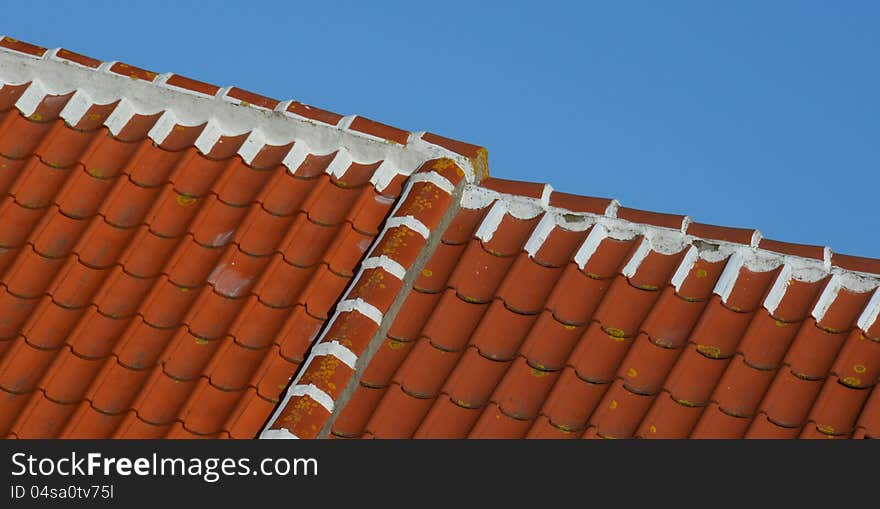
(305, 241)
(479, 274)
(654, 218)
(327, 373)
(620, 412)
(21, 46)
(227, 147)
(233, 365)
(385, 362)
(510, 236)
(57, 234)
(647, 365)
(116, 387)
(147, 253)
(494, 423)
(215, 224)
(763, 428)
(549, 342)
(425, 370)
(798, 300)
(177, 80)
(50, 324)
(261, 231)
(701, 280)
(23, 365)
(96, 334)
(559, 248)
(11, 405)
(347, 250)
(869, 265)
(656, 270)
(69, 376)
(869, 419)
(844, 311)
(331, 206)
(208, 408)
(816, 252)
(714, 423)
(671, 320)
(239, 185)
(572, 400)
(398, 414)
(297, 334)
(282, 283)
(720, 329)
(357, 411)
(527, 298)
(837, 407)
(742, 387)
(31, 274)
(248, 417)
(858, 363)
(523, 389)
(132, 427)
(122, 293)
(464, 225)
(426, 202)
(379, 130)
(87, 422)
(459, 147)
(45, 419)
(790, 398)
(694, 377)
(14, 311)
(624, 321)
(323, 291)
(500, 332)
(167, 303)
(576, 296)
(187, 355)
(192, 263)
(766, 340)
(750, 288)
(285, 193)
(598, 354)
(451, 324)
(812, 431)
(544, 429)
(257, 324)
(575, 203)
(250, 98)
(416, 310)
(235, 273)
(141, 344)
(102, 243)
(474, 378)
(162, 398)
(64, 147)
(715, 232)
(132, 71)
(668, 418)
(273, 375)
(400, 244)
(529, 189)
(439, 267)
(20, 221)
(447, 420)
(314, 113)
(813, 350)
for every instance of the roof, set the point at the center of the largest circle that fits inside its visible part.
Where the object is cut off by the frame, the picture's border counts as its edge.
(179, 259)
(169, 249)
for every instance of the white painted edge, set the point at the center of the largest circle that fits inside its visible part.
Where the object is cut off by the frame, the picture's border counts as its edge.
(729, 275)
(383, 175)
(50, 75)
(435, 178)
(777, 291)
(209, 137)
(312, 391)
(597, 234)
(163, 127)
(278, 434)
(252, 146)
(340, 164)
(76, 108)
(492, 221)
(540, 234)
(385, 263)
(684, 268)
(296, 156)
(410, 222)
(870, 313)
(826, 299)
(632, 266)
(361, 306)
(336, 349)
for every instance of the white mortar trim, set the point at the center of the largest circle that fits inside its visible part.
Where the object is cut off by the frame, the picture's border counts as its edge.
(410, 222)
(336, 349)
(385, 263)
(361, 306)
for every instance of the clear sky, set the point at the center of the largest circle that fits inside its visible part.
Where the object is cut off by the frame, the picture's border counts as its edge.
(757, 114)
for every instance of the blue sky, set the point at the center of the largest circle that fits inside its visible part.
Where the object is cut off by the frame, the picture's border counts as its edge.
(753, 114)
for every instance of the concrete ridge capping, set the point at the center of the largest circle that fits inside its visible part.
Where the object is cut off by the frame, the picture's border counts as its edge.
(222, 112)
(672, 240)
(329, 376)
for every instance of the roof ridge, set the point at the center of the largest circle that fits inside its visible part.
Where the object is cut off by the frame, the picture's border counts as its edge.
(526, 200)
(224, 111)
